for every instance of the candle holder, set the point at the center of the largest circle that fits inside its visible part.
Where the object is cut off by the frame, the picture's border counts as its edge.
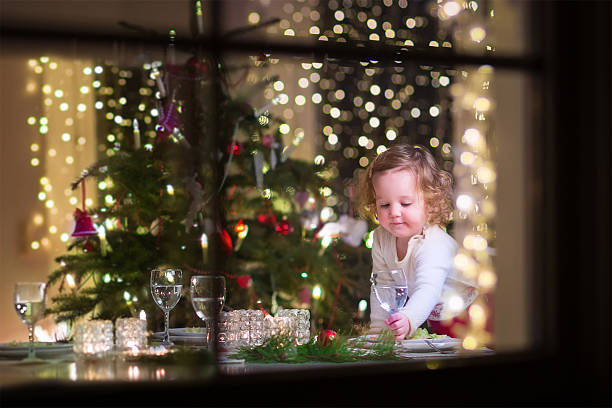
(93, 339)
(256, 327)
(242, 328)
(302, 323)
(280, 326)
(130, 334)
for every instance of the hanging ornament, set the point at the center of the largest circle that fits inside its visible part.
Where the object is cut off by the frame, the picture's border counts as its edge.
(84, 226)
(267, 219)
(200, 67)
(88, 247)
(226, 242)
(168, 121)
(326, 337)
(234, 148)
(284, 227)
(244, 281)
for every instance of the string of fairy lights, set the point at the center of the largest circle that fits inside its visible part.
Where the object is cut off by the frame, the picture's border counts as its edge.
(474, 170)
(387, 103)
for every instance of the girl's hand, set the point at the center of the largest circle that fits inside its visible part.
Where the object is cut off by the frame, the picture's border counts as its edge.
(399, 324)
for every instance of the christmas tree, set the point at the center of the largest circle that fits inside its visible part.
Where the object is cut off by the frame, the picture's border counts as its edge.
(210, 188)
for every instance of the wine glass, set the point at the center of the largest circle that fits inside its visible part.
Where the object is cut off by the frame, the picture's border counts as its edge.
(390, 288)
(166, 290)
(29, 300)
(207, 298)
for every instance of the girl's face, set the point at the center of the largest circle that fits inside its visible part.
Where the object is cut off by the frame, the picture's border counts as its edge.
(399, 203)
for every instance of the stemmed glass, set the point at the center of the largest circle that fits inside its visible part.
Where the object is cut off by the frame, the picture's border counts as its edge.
(207, 298)
(166, 290)
(29, 300)
(391, 289)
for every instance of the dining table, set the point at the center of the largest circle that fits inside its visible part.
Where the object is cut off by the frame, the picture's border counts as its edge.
(82, 375)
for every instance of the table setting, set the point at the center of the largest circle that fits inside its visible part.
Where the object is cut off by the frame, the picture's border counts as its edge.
(245, 340)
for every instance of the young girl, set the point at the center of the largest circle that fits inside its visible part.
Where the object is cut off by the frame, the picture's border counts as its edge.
(410, 196)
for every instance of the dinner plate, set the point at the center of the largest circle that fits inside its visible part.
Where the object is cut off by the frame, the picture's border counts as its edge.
(413, 345)
(43, 350)
(420, 345)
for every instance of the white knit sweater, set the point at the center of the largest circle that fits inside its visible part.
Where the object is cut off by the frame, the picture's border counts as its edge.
(435, 290)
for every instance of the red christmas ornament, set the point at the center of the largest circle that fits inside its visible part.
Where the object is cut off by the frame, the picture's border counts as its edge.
(244, 280)
(284, 227)
(326, 337)
(84, 226)
(88, 247)
(267, 219)
(198, 65)
(226, 242)
(237, 150)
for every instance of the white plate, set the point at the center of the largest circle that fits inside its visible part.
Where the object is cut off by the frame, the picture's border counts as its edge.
(414, 345)
(420, 345)
(43, 350)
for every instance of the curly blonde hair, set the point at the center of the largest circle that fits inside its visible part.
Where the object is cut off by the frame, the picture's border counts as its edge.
(435, 183)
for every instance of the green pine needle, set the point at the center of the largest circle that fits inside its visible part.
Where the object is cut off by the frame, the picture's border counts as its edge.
(341, 350)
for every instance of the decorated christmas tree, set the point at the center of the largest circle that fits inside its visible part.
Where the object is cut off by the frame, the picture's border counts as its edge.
(207, 187)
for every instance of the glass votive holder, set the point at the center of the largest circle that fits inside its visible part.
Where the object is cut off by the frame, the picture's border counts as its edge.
(279, 326)
(302, 321)
(93, 338)
(130, 334)
(223, 330)
(256, 327)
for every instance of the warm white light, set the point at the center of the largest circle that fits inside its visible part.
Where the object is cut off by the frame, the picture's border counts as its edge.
(465, 202)
(451, 8)
(477, 34)
(70, 281)
(472, 136)
(316, 292)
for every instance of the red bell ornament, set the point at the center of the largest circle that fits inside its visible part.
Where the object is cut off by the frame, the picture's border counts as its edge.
(84, 226)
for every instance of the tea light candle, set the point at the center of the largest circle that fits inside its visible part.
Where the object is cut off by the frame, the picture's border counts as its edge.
(93, 338)
(131, 334)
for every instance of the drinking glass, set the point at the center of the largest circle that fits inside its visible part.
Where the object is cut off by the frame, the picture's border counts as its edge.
(166, 289)
(29, 300)
(390, 288)
(207, 298)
